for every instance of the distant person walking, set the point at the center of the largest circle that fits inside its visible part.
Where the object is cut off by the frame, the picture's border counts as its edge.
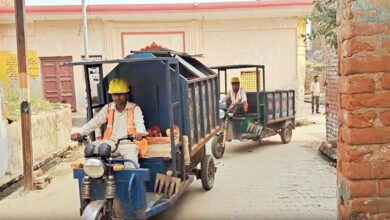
(315, 93)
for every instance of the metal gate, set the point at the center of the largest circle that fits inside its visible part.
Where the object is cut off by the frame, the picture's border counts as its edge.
(58, 83)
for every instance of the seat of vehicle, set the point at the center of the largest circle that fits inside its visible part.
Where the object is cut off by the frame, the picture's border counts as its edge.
(158, 147)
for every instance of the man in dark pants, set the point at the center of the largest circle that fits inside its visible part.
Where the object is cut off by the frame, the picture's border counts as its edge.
(315, 92)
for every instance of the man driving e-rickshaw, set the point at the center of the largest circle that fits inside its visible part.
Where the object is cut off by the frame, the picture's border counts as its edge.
(235, 99)
(123, 118)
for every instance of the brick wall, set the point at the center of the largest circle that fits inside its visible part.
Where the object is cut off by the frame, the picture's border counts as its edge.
(328, 74)
(324, 54)
(331, 103)
(364, 114)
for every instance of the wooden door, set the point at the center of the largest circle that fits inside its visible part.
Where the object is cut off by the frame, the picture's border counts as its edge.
(58, 83)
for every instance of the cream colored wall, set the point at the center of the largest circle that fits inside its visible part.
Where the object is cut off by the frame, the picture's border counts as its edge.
(57, 38)
(268, 41)
(301, 66)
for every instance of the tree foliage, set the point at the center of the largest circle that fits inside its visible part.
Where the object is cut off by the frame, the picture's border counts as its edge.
(323, 19)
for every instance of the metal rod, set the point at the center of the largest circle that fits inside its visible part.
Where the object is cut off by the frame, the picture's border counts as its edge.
(85, 30)
(257, 80)
(168, 79)
(216, 101)
(25, 95)
(182, 124)
(226, 82)
(103, 89)
(265, 101)
(89, 98)
(194, 111)
(201, 111)
(263, 79)
(88, 91)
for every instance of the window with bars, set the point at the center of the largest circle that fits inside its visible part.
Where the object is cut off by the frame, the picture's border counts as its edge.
(248, 81)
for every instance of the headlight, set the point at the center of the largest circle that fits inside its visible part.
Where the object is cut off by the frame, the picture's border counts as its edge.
(94, 168)
(221, 114)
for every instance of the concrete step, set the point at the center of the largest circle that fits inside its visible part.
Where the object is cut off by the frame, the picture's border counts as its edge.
(329, 149)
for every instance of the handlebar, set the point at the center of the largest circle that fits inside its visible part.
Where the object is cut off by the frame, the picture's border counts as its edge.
(83, 140)
(129, 137)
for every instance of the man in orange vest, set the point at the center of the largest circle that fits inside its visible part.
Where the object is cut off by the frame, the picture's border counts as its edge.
(123, 118)
(236, 99)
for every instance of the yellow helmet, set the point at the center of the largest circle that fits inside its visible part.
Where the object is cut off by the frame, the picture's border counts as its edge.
(118, 86)
(235, 80)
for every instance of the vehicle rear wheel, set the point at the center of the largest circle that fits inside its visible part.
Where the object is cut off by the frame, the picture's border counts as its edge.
(216, 147)
(207, 172)
(286, 134)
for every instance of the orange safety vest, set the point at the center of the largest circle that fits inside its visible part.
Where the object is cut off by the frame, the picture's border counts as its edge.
(131, 129)
(236, 97)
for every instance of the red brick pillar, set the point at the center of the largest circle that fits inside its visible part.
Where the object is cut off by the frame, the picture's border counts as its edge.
(364, 113)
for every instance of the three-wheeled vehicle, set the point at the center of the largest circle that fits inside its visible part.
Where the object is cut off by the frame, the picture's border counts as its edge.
(175, 92)
(269, 113)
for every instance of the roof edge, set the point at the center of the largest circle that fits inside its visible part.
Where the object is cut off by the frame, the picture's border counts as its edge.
(163, 8)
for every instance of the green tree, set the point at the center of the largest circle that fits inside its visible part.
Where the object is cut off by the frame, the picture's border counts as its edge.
(323, 19)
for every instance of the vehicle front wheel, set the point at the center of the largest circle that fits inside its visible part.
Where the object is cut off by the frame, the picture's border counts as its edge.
(216, 147)
(286, 134)
(100, 216)
(207, 172)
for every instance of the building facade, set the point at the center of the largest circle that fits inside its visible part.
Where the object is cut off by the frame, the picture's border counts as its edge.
(269, 33)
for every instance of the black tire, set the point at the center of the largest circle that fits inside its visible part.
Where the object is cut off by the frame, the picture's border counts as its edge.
(216, 147)
(286, 134)
(207, 172)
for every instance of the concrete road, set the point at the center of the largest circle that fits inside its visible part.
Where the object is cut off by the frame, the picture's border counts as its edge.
(267, 181)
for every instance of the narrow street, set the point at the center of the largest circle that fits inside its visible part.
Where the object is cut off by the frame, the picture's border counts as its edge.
(267, 181)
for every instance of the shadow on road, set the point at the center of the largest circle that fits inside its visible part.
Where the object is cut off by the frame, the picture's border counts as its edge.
(250, 146)
(191, 191)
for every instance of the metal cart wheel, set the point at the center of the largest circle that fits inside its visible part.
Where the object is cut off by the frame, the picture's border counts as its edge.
(216, 147)
(286, 134)
(207, 172)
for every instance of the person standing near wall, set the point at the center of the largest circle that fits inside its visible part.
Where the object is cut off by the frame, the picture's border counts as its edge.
(315, 93)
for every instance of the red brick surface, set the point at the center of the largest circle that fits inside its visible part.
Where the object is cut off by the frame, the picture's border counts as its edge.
(363, 188)
(355, 46)
(353, 153)
(359, 136)
(385, 118)
(370, 205)
(356, 84)
(367, 100)
(365, 64)
(386, 81)
(364, 115)
(384, 188)
(352, 120)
